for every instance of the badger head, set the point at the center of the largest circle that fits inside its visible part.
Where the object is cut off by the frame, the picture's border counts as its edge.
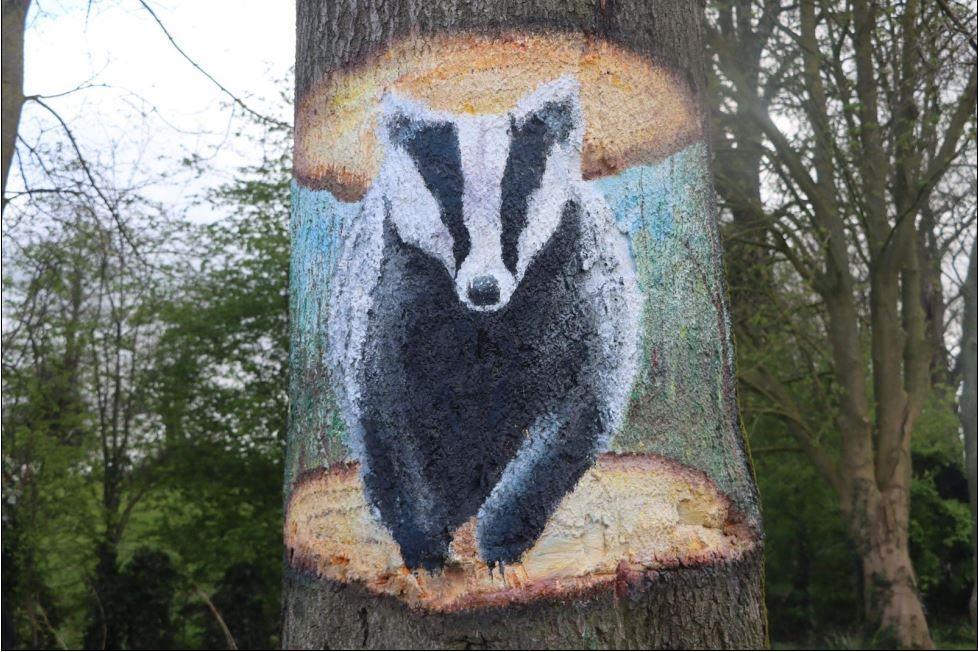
(482, 194)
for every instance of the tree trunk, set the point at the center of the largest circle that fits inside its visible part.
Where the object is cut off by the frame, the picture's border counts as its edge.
(513, 416)
(14, 17)
(104, 630)
(969, 403)
(880, 525)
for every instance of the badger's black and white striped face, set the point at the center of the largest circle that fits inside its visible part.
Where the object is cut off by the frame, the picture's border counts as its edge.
(482, 194)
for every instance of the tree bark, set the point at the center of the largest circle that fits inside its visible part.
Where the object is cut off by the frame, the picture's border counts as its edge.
(14, 17)
(657, 544)
(718, 606)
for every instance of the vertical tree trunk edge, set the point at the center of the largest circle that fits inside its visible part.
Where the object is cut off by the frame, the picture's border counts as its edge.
(14, 18)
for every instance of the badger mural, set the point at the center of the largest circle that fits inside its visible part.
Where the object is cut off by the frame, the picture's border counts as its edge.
(508, 334)
(483, 323)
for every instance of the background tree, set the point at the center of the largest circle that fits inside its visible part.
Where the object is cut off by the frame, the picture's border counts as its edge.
(833, 186)
(14, 18)
(97, 290)
(220, 388)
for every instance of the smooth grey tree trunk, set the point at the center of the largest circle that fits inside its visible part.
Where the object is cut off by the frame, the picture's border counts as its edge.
(682, 419)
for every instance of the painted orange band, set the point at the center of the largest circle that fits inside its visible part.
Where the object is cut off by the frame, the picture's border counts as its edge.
(635, 111)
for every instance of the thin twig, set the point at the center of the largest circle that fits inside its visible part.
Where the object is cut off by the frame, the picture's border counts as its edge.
(47, 623)
(217, 615)
(237, 100)
(91, 179)
(953, 17)
(101, 611)
(775, 449)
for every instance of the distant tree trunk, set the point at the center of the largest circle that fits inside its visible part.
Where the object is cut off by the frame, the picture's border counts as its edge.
(969, 404)
(14, 17)
(105, 626)
(657, 544)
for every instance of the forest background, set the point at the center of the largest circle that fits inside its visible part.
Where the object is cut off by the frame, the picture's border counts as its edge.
(145, 309)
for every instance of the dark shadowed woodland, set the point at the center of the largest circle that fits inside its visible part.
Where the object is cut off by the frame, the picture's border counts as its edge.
(146, 354)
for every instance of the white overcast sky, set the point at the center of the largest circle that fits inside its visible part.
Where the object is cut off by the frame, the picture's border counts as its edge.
(149, 107)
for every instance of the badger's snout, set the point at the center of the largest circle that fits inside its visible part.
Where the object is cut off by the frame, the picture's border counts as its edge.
(484, 291)
(484, 288)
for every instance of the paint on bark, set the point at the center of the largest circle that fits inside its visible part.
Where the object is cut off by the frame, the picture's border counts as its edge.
(504, 265)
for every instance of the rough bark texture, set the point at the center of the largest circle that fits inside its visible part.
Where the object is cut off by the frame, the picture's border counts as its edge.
(14, 15)
(708, 607)
(330, 35)
(712, 601)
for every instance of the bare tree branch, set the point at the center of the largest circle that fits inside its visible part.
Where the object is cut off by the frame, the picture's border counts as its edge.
(82, 161)
(234, 98)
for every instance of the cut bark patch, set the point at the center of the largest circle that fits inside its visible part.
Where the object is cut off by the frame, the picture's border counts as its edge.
(629, 516)
(635, 112)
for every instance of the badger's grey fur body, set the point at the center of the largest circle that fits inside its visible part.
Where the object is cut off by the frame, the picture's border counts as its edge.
(484, 323)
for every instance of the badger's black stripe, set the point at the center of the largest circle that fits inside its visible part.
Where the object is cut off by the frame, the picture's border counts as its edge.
(435, 150)
(528, 151)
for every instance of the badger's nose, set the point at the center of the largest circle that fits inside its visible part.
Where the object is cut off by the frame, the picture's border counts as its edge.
(484, 291)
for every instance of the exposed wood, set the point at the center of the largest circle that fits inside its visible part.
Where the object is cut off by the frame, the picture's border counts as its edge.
(333, 35)
(630, 514)
(968, 409)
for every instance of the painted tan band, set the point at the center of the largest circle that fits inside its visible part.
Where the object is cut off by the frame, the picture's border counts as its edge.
(635, 112)
(628, 515)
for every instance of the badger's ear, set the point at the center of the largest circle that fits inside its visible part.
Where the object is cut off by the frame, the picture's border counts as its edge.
(557, 105)
(400, 118)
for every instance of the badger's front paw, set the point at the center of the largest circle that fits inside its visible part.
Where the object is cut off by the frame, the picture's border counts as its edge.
(420, 549)
(504, 536)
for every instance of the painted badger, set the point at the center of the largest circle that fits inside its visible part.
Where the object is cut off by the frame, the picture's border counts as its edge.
(483, 323)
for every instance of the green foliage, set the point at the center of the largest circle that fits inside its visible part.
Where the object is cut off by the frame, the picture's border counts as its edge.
(221, 393)
(811, 571)
(813, 575)
(117, 521)
(940, 516)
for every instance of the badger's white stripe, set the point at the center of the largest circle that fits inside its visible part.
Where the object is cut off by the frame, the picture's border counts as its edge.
(484, 144)
(413, 208)
(350, 298)
(546, 206)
